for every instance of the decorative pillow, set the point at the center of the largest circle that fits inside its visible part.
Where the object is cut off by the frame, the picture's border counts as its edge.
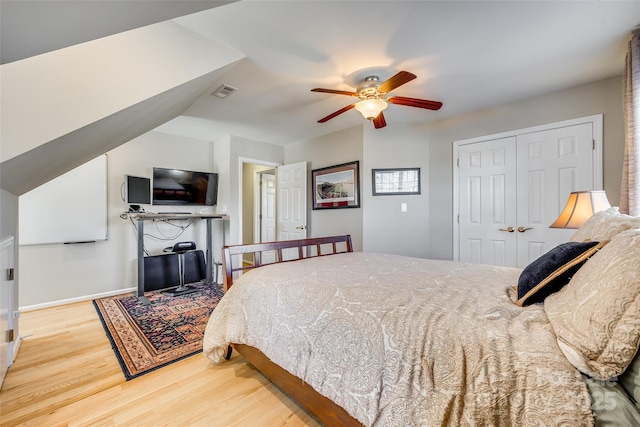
(596, 317)
(630, 380)
(605, 225)
(550, 272)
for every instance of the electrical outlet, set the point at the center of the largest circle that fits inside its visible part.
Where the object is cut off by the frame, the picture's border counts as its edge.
(403, 207)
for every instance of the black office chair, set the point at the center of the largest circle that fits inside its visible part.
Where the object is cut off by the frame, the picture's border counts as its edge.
(180, 248)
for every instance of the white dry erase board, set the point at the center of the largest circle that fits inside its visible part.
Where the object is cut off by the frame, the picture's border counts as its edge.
(71, 208)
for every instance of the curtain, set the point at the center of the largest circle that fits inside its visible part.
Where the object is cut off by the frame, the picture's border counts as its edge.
(630, 191)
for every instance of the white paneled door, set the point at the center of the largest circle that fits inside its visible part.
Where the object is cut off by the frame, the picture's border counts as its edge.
(267, 207)
(292, 201)
(487, 202)
(551, 164)
(6, 305)
(268, 213)
(511, 188)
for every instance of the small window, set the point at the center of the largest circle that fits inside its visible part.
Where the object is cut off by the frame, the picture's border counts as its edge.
(396, 181)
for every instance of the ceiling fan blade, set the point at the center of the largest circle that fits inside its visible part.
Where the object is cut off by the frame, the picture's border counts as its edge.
(338, 92)
(415, 102)
(379, 122)
(337, 113)
(396, 81)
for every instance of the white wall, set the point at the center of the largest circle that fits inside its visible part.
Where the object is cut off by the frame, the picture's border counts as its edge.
(329, 150)
(385, 228)
(54, 273)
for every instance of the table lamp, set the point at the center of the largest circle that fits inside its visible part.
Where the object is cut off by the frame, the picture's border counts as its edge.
(580, 207)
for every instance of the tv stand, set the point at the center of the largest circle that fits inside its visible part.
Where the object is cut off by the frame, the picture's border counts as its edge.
(141, 217)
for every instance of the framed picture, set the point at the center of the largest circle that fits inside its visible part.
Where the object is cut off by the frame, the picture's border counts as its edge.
(396, 181)
(336, 186)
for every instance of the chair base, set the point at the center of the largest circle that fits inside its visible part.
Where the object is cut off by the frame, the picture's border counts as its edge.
(180, 290)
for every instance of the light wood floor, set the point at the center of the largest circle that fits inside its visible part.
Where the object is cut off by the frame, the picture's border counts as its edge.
(67, 374)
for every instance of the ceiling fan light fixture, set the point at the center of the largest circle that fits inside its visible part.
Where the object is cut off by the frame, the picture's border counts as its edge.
(371, 108)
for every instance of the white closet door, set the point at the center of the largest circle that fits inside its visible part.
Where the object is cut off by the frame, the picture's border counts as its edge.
(487, 189)
(551, 164)
(513, 186)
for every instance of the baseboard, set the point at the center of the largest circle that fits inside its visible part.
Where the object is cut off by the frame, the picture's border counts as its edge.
(76, 299)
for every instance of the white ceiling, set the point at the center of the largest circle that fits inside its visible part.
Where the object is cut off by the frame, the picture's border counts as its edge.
(470, 55)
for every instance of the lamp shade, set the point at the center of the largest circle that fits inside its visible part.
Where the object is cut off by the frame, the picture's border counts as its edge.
(580, 207)
(370, 108)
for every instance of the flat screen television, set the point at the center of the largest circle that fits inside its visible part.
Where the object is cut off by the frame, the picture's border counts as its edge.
(183, 187)
(137, 190)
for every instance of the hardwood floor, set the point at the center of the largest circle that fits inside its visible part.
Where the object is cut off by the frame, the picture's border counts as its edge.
(67, 374)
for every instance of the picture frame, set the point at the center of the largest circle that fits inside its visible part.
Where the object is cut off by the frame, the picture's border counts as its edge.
(336, 187)
(395, 181)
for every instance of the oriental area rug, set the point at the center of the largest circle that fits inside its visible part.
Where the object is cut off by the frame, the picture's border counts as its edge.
(148, 337)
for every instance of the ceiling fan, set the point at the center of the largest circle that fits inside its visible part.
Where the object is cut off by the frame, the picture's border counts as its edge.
(372, 94)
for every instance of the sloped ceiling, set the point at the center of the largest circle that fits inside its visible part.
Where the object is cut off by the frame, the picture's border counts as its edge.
(70, 105)
(34, 27)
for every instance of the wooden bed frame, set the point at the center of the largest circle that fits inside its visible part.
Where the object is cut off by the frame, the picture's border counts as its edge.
(326, 411)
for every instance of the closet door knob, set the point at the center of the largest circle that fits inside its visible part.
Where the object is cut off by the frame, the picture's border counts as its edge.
(522, 229)
(509, 229)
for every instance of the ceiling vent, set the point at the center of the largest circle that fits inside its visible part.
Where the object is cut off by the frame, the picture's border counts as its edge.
(224, 91)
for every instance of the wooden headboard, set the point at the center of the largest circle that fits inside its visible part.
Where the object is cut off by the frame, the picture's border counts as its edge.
(306, 248)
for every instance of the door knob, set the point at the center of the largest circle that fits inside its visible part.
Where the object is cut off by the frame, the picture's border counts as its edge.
(301, 227)
(522, 229)
(508, 229)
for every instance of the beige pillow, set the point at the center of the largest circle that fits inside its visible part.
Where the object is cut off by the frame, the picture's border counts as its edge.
(604, 225)
(596, 317)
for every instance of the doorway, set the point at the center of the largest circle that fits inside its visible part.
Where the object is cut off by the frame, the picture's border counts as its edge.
(288, 201)
(251, 199)
(264, 222)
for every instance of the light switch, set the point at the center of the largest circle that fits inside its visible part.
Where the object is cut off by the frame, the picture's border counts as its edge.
(403, 207)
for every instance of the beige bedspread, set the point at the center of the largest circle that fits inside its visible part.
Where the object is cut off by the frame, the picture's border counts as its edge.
(399, 341)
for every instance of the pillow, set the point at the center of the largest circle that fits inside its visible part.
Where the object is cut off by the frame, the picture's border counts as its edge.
(630, 380)
(604, 225)
(550, 272)
(596, 317)
(611, 405)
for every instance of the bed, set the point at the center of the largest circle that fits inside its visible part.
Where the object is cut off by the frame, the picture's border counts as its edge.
(385, 340)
